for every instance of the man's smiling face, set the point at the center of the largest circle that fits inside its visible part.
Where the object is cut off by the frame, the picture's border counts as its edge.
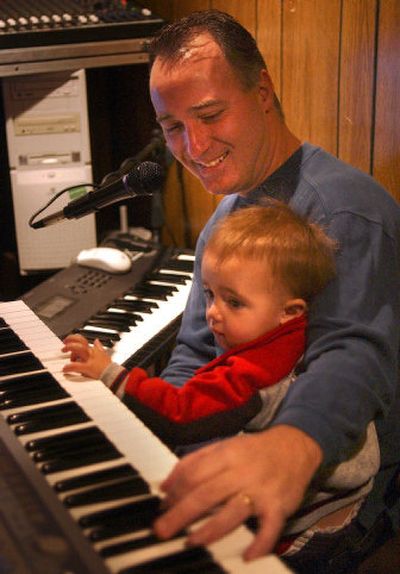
(212, 124)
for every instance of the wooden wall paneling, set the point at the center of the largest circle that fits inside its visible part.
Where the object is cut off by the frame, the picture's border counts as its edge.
(269, 38)
(161, 8)
(357, 67)
(244, 12)
(173, 232)
(386, 155)
(183, 7)
(310, 62)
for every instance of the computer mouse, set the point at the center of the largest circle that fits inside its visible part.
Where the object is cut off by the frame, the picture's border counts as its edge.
(106, 259)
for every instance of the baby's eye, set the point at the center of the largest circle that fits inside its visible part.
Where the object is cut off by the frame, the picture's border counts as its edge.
(235, 303)
(208, 294)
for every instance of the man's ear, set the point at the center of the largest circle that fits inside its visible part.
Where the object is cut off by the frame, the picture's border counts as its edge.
(293, 308)
(266, 89)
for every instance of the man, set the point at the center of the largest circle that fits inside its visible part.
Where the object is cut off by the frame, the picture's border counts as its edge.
(221, 119)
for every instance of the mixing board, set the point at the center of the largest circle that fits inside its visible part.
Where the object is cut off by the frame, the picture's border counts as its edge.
(55, 35)
(48, 22)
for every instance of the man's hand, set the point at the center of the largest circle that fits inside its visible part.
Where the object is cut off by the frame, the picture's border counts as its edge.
(264, 474)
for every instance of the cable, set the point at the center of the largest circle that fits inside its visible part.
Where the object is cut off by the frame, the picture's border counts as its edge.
(57, 195)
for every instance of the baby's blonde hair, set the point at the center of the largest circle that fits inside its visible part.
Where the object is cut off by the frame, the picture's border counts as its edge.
(298, 254)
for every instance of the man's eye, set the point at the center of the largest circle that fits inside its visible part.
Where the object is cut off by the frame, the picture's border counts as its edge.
(209, 118)
(171, 128)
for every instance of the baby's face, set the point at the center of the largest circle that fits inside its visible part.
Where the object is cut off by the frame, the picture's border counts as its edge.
(242, 302)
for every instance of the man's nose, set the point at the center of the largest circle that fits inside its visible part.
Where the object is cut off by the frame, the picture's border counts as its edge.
(196, 141)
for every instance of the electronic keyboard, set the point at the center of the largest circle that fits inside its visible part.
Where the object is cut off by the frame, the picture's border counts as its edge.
(136, 315)
(80, 473)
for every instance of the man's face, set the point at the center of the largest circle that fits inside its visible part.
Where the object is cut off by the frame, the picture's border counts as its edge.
(214, 126)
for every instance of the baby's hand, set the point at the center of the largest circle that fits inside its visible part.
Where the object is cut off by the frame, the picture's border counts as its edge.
(84, 359)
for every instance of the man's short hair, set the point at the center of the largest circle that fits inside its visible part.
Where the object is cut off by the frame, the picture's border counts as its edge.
(236, 43)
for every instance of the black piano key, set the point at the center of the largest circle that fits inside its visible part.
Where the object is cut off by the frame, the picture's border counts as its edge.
(121, 519)
(129, 545)
(103, 340)
(146, 509)
(81, 459)
(130, 319)
(91, 478)
(23, 363)
(179, 265)
(90, 336)
(121, 489)
(106, 339)
(53, 411)
(134, 318)
(178, 279)
(123, 318)
(108, 323)
(146, 294)
(55, 440)
(154, 289)
(188, 561)
(22, 392)
(69, 419)
(33, 398)
(31, 381)
(10, 342)
(135, 305)
(65, 449)
(154, 286)
(3, 322)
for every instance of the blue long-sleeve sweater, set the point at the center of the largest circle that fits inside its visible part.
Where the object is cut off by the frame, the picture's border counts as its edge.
(351, 364)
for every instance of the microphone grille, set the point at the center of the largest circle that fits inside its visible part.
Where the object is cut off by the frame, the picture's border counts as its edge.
(148, 175)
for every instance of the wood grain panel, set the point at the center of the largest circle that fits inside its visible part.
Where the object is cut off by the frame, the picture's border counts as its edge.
(161, 8)
(311, 31)
(183, 7)
(357, 82)
(244, 12)
(269, 38)
(386, 159)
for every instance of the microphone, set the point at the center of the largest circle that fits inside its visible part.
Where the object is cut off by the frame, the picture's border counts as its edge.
(144, 179)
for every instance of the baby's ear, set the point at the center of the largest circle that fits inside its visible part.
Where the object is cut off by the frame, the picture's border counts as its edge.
(293, 308)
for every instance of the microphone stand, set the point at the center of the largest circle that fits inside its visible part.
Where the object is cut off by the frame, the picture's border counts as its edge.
(154, 151)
